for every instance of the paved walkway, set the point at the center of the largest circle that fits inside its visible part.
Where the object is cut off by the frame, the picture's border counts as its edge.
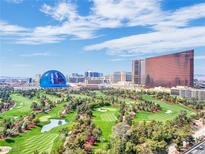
(199, 149)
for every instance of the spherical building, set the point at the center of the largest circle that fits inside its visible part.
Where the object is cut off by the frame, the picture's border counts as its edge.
(52, 79)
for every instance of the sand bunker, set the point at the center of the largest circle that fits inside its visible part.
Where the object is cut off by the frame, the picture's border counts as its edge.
(4, 149)
(102, 110)
(44, 118)
(168, 111)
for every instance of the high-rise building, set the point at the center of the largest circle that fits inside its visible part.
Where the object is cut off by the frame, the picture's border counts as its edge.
(37, 79)
(116, 77)
(76, 78)
(90, 74)
(167, 71)
(138, 71)
(121, 76)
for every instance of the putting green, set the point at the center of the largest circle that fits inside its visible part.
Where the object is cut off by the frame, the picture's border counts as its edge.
(44, 118)
(162, 115)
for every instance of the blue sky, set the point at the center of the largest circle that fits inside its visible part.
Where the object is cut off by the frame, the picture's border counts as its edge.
(98, 35)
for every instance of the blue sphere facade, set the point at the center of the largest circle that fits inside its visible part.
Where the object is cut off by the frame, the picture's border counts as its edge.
(53, 79)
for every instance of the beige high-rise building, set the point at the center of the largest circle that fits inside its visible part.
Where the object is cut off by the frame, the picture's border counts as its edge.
(121, 77)
(37, 79)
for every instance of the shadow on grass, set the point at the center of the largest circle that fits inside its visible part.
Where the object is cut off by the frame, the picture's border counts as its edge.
(9, 141)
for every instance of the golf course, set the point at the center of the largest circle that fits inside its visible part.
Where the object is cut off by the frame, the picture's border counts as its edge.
(104, 118)
(33, 140)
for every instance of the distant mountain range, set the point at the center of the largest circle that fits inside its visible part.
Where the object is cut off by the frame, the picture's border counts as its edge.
(11, 78)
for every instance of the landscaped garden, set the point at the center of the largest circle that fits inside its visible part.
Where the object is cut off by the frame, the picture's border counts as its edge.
(91, 118)
(33, 140)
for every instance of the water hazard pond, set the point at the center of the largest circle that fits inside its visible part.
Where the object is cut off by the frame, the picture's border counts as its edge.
(53, 123)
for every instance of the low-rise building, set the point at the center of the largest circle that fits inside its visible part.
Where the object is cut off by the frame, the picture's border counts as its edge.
(186, 92)
(94, 81)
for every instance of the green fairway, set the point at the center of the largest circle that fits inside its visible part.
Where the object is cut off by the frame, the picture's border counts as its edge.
(168, 111)
(105, 121)
(28, 142)
(32, 140)
(41, 143)
(79, 95)
(126, 100)
(21, 108)
(52, 98)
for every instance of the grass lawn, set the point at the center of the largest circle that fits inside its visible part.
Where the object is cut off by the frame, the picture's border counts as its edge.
(105, 121)
(42, 143)
(23, 107)
(79, 95)
(32, 140)
(52, 97)
(162, 115)
(126, 100)
(28, 142)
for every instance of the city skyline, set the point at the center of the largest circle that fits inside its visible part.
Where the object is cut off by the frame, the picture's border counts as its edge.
(76, 36)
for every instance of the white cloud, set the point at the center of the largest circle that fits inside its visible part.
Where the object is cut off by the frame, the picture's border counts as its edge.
(124, 9)
(108, 14)
(61, 11)
(8, 29)
(36, 54)
(182, 16)
(159, 41)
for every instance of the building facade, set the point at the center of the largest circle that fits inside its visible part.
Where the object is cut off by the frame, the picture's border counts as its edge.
(90, 74)
(76, 78)
(116, 77)
(37, 79)
(53, 79)
(121, 77)
(95, 80)
(185, 92)
(167, 71)
(138, 71)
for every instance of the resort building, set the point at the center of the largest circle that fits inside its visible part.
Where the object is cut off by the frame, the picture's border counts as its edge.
(187, 92)
(167, 71)
(121, 77)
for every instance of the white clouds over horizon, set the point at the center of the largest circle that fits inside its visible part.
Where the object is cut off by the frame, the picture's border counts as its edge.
(36, 54)
(171, 29)
(154, 42)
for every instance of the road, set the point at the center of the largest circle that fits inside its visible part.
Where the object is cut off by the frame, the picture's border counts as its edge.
(199, 149)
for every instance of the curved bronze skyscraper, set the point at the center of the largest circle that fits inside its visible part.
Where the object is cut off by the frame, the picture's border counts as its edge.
(166, 71)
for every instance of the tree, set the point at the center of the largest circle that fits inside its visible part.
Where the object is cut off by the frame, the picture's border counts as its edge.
(148, 80)
(34, 106)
